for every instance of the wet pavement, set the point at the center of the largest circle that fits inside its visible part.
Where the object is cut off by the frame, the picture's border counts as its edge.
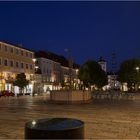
(104, 119)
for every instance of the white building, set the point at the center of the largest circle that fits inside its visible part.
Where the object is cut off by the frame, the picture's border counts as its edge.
(50, 73)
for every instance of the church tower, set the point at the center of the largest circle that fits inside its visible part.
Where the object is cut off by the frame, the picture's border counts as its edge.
(103, 64)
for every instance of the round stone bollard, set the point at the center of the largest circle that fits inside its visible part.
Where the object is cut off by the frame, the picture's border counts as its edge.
(54, 128)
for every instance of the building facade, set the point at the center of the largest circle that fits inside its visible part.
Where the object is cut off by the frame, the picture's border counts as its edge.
(54, 73)
(15, 60)
(51, 73)
(70, 75)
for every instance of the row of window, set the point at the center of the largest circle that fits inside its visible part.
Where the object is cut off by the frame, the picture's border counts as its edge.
(46, 71)
(57, 66)
(48, 63)
(17, 51)
(16, 64)
(50, 79)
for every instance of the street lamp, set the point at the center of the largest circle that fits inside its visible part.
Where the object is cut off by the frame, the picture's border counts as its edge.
(70, 66)
(137, 69)
(35, 79)
(34, 60)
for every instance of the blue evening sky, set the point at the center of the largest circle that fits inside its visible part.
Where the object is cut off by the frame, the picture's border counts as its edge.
(88, 29)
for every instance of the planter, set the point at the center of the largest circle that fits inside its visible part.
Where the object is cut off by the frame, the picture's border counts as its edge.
(54, 128)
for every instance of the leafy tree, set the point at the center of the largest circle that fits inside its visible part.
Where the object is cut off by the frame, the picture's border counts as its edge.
(129, 74)
(63, 84)
(92, 74)
(21, 81)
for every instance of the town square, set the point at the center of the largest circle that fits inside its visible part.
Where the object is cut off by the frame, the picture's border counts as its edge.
(104, 119)
(69, 70)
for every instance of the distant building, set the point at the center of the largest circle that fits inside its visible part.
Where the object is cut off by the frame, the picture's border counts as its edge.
(15, 60)
(103, 64)
(55, 70)
(50, 73)
(113, 83)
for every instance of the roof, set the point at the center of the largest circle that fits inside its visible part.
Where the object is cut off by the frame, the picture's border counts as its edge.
(16, 45)
(54, 57)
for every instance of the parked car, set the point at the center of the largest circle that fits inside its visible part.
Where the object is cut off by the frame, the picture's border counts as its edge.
(7, 93)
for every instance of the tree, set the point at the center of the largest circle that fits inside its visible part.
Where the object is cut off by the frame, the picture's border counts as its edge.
(92, 74)
(63, 84)
(21, 81)
(129, 74)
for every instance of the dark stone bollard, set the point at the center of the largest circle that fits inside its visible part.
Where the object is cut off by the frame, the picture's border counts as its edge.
(54, 128)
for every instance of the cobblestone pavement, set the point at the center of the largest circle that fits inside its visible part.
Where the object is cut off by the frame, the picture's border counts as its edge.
(104, 119)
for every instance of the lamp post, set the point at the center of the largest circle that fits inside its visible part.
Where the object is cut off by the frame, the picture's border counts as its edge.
(34, 77)
(70, 67)
(137, 69)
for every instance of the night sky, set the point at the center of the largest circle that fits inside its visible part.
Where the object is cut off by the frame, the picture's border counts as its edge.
(88, 29)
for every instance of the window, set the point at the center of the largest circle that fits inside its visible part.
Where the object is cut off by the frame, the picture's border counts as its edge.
(26, 66)
(6, 62)
(17, 64)
(11, 63)
(31, 55)
(6, 48)
(0, 46)
(22, 53)
(17, 51)
(22, 65)
(26, 54)
(31, 67)
(12, 50)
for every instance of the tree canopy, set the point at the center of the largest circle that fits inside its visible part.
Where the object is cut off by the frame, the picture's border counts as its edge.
(92, 74)
(129, 72)
(21, 81)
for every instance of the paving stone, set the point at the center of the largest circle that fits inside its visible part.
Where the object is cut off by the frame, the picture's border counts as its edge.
(103, 119)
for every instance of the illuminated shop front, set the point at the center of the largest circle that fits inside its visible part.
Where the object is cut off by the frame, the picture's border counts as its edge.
(27, 89)
(6, 83)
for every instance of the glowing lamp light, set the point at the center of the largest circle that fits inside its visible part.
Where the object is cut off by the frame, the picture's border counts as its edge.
(36, 67)
(34, 60)
(137, 68)
(33, 122)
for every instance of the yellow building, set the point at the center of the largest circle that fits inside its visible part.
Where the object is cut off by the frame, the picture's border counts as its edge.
(14, 60)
